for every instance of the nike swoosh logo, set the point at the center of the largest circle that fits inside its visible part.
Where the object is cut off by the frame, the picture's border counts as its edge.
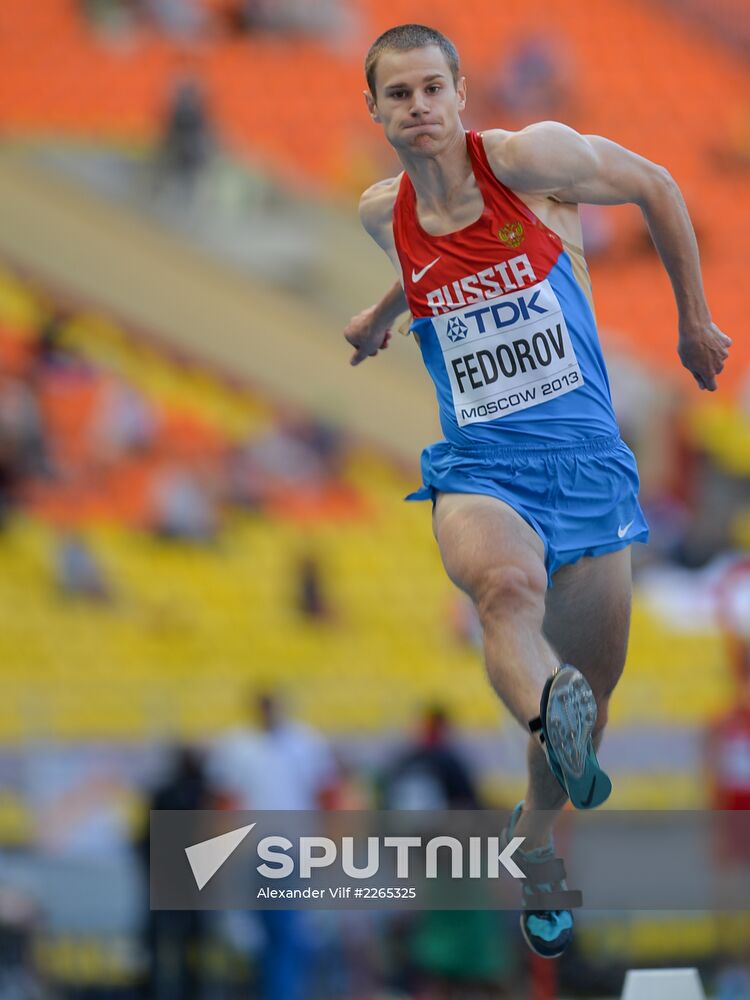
(418, 275)
(587, 801)
(622, 531)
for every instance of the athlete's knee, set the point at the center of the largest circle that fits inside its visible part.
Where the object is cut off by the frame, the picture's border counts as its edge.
(508, 591)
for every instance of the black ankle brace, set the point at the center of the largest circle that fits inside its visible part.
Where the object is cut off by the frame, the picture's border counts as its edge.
(535, 726)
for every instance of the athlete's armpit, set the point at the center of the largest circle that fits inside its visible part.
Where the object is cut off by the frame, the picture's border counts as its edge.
(376, 216)
(376, 211)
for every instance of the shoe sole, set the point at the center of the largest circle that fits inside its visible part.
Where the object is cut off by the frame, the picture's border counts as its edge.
(569, 713)
(532, 947)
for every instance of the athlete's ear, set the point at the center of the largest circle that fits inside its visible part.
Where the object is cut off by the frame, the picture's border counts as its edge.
(371, 106)
(461, 91)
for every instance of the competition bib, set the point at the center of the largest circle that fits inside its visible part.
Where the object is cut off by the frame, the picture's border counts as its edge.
(507, 354)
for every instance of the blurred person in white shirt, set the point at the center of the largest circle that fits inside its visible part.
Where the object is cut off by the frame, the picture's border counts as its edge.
(276, 763)
(279, 763)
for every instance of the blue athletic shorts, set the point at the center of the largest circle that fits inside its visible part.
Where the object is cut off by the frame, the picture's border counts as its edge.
(581, 499)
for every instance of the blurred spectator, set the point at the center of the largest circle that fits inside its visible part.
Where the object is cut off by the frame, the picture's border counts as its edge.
(728, 766)
(9, 479)
(23, 444)
(729, 752)
(349, 790)
(175, 939)
(444, 953)
(430, 772)
(728, 772)
(536, 81)
(52, 353)
(276, 763)
(310, 597)
(469, 954)
(272, 761)
(185, 785)
(715, 498)
(123, 422)
(187, 143)
(251, 14)
(324, 440)
(78, 572)
(21, 426)
(324, 17)
(183, 20)
(50, 349)
(225, 16)
(184, 509)
(246, 483)
(289, 455)
(113, 19)
(733, 983)
(19, 919)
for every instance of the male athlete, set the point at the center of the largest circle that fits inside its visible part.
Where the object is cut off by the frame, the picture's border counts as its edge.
(535, 495)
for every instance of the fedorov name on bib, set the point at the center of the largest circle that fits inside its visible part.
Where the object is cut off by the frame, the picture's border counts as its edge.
(507, 355)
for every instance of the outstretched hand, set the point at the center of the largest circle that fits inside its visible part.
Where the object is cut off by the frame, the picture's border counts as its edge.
(366, 334)
(703, 349)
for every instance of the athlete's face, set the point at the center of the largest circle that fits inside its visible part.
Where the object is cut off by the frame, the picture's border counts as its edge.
(417, 103)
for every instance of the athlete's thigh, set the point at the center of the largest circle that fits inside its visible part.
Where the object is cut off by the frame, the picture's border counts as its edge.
(587, 617)
(477, 533)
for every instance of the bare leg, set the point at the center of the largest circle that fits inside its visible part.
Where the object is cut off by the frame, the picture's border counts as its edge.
(498, 559)
(490, 552)
(587, 621)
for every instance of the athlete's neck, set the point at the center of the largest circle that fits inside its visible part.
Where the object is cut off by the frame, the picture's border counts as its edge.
(440, 180)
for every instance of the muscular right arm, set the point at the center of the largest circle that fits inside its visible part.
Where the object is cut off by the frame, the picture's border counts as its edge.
(552, 159)
(369, 331)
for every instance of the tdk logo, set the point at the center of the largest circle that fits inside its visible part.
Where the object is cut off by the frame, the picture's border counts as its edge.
(456, 330)
(509, 312)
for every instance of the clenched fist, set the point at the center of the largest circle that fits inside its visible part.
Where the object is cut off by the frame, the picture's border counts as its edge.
(367, 334)
(703, 349)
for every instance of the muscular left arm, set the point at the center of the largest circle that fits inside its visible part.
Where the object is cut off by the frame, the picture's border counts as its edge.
(551, 158)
